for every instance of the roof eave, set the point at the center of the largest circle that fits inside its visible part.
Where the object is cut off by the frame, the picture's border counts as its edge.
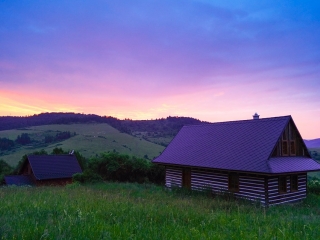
(241, 171)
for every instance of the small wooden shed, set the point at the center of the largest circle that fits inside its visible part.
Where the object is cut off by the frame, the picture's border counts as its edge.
(262, 160)
(42, 170)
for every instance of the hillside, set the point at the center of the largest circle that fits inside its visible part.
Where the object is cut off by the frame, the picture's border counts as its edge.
(90, 139)
(169, 125)
(159, 131)
(314, 143)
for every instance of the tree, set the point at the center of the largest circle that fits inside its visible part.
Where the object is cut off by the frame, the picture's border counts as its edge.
(6, 144)
(5, 169)
(23, 139)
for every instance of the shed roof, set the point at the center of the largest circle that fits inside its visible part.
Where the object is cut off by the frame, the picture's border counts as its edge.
(18, 180)
(244, 145)
(54, 166)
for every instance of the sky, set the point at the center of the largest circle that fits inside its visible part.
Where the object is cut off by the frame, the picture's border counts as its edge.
(146, 59)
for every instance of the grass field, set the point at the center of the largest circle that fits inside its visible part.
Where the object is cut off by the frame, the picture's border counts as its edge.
(132, 211)
(91, 139)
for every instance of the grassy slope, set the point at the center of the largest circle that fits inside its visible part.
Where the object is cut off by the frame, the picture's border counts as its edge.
(131, 211)
(91, 139)
(313, 150)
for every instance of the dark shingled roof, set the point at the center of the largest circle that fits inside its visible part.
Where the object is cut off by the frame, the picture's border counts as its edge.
(18, 180)
(54, 166)
(292, 164)
(237, 145)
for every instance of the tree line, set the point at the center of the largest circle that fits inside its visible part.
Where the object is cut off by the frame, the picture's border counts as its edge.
(165, 126)
(60, 136)
(8, 144)
(24, 139)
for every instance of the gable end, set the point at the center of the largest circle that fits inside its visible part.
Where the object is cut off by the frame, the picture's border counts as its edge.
(290, 143)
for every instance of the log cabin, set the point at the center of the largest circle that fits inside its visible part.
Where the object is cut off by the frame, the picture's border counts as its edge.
(40, 170)
(262, 159)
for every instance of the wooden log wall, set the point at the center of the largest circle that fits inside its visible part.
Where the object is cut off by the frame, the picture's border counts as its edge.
(250, 187)
(173, 177)
(276, 198)
(204, 180)
(54, 182)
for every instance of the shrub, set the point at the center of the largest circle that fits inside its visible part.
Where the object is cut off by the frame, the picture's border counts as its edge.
(123, 168)
(58, 151)
(6, 144)
(87, 176)
(5, 169)
(314, 186)
(83, 162)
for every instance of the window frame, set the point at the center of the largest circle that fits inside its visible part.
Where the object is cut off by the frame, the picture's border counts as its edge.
(233, 182)
(186, 178)
(287, 148)
(285, 141)
(294, 183)
(294, 147)
(282, 184)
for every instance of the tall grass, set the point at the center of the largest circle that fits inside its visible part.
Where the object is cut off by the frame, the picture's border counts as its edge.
(133, 211)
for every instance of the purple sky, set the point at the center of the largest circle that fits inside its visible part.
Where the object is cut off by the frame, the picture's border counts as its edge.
(212, 60)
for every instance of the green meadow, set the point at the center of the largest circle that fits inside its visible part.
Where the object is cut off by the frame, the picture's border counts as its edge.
(90, 140)
(133, 211)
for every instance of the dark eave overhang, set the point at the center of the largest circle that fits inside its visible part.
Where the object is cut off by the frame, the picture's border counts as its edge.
(233, 171)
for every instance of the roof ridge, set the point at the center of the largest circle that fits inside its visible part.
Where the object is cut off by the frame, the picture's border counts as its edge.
(50, 155)
(238, 121)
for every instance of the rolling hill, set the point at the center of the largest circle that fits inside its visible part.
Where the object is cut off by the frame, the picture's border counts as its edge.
(90, 139)
(313, 143)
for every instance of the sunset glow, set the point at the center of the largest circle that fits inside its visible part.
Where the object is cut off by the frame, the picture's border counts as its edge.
(211, 60)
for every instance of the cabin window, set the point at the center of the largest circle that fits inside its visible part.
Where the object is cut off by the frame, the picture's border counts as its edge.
(282, 181)
(292, 133)
(233, 183)
(292, 148)
(285, 145)
(285, 134)
(186, 178)
(285, 148)
(294, 183)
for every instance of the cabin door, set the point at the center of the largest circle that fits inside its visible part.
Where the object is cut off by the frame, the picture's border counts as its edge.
(186, 178)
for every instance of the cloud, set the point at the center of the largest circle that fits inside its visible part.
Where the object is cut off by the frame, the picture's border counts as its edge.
(153, 58)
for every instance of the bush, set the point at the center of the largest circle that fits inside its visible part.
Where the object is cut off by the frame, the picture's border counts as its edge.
(83, 162)
(87, 176)
(314, 186)
(123, 168)
(5, 169)
(6, 144)
(58, 151)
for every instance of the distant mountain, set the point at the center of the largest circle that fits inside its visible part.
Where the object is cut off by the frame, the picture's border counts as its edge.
(314, 143)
